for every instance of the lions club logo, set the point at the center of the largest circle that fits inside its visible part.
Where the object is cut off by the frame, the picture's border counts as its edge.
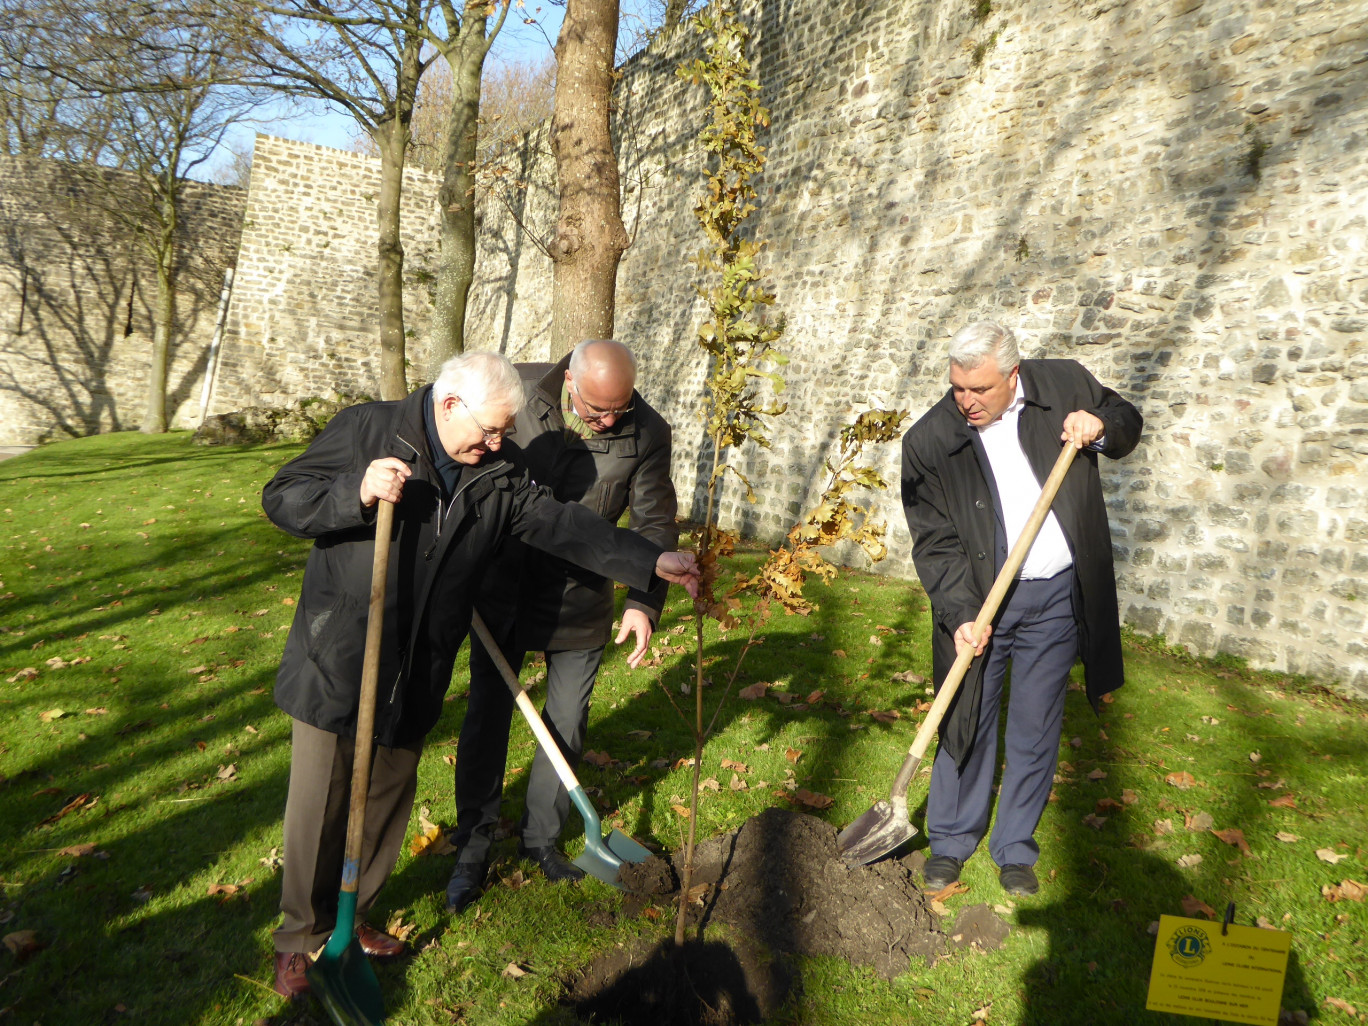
(1189, 946)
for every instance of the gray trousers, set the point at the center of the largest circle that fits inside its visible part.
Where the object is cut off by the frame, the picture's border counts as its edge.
(483, 749)
(316, 830)
(1036, 631)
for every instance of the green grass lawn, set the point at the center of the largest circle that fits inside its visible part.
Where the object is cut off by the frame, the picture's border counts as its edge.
(144, 601)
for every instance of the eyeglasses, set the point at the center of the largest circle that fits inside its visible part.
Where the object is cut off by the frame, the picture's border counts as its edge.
(595, 415)
(488, 435)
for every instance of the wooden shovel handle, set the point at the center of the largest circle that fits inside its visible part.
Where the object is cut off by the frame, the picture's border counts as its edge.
(525, 706)
(990, 607)
(365, 711)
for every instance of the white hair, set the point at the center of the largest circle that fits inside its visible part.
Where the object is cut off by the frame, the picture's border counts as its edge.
(985, 340)
(480, 378)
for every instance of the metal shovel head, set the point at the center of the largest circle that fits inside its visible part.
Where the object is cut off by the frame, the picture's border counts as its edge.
(880, 830)
(346, 986)
(603, 857)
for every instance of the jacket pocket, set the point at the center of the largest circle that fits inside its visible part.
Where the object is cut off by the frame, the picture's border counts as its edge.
(336, 640)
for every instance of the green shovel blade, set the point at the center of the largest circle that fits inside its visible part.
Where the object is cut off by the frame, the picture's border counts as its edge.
(342, 979)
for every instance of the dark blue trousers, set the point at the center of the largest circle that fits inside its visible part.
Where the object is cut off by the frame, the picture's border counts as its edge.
(1037, 634)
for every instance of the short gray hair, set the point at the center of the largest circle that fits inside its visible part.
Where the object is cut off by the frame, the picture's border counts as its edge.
(480, 378)
(985, 340)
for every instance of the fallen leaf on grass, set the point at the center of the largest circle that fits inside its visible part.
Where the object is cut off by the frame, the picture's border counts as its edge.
(949, 891)
(682, 763)
(694, 895)
(709, 784)
(228, 772)
(599, 759)
(79, 802)
(1283, 801)
(1193, 905)
(1188, 861)
(793, 754)
(1343, 1006)
(449, 759)
(640, 735)
(754, 691)
(908, 677)
(732, 764)
(1105, 805)
(1264, 923)
(51, 714)
(75, 851)
(1254, 757)
(142, 895)
(1329, 855)
(431, 839)
(1198, 821)
(1351, 890)
(1098, 774)
(812, 799)
(737, 784)
(885, 716)
(512, 972)
(27, 673)
(1128, 796)
(981, 1014)
(1162, 827)
(1234, 836)
(226, 891)
(1095, 821)
(814, 697)
(1272, 785)
(1285, 837)
(1181, 780)
(23, 943)
(97, 711)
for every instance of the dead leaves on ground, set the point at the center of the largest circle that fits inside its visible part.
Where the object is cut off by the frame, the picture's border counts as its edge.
(431, 839)
(1345, 890)
(1330, 855)
(1181, 779)
(1192, 906)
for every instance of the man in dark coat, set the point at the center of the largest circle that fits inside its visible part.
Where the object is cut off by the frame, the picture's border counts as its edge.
(435, 455)
(972, 470)
(586, 433)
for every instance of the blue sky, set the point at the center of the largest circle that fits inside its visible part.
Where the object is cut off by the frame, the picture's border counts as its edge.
(517, 42)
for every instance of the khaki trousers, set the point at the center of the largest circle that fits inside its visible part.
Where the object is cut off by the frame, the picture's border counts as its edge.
(316, 830)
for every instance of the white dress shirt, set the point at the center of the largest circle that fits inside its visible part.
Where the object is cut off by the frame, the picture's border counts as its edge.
(1018, 491)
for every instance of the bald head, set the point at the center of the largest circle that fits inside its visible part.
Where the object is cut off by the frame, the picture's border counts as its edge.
(601, 377)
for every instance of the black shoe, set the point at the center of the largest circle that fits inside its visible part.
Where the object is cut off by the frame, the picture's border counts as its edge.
(1018, 879)
(464, 886)
(552, 863)
(941, 871)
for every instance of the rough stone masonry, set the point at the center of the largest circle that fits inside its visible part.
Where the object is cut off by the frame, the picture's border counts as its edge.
(1174, 192)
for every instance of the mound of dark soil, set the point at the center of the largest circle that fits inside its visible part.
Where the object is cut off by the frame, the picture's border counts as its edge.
(779, 878)
(779, 885)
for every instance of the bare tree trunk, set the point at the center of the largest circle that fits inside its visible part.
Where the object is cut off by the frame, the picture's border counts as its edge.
(393, 382)
(456, 198)
(590, 236)
(674, 12)
(164, 312)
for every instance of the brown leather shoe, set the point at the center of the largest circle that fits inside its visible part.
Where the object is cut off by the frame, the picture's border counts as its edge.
(290, 981)
(376, 943)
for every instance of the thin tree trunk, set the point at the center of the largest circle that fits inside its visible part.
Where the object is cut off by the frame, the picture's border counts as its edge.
(456, 197)
(164, 314)
(674, 12)
(393, 382)
(590, 236)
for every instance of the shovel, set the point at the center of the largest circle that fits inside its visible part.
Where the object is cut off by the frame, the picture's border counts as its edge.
(602, 857)
(886, 825)
(342, 977)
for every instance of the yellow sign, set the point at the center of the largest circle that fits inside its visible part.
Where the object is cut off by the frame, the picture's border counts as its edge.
(1237, 977)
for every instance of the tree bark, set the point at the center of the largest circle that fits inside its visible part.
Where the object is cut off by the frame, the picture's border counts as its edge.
(164, 309)
(456, 197)
(590, 236)
(392, 139)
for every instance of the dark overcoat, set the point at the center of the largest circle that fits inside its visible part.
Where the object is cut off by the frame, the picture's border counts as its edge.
(559, 605)
(439, 551)
(959, 541)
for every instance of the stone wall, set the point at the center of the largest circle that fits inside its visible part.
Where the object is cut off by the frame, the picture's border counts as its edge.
(1173, 192)
(76, 298)
(304, 317)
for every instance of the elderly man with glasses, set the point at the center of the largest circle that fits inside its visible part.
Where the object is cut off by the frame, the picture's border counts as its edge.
(437, 456)
(587, 434)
